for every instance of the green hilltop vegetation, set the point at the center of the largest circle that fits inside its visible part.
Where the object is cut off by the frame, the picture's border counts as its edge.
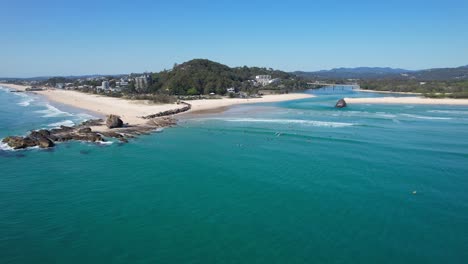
(434, 89)
(201, 76)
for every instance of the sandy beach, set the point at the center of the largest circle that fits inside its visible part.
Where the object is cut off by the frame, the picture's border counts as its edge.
(131, 111)
(407, 100)
(385, 92)
(14, 86)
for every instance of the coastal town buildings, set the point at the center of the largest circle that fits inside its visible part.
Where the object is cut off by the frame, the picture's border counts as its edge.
(105, 85)
(143, 82)
(265, 80)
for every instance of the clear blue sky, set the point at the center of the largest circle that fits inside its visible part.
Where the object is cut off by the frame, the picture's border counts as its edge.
(86, 37)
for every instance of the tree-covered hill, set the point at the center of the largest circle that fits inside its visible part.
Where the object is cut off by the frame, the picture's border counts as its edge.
(201, 76)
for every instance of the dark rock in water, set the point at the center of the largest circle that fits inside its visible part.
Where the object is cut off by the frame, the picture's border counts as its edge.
(34, 139)
(123, 140)
(92, 122)
(85, 152)
(48, 138)
(62, 129)
(45, 143)
(62, 137)
(341, 103)
(112, 134)
(114, 121)
(91, 137)
(84, 130)
(17, 142)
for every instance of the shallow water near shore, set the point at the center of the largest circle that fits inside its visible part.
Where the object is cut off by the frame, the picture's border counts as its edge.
(290, 182)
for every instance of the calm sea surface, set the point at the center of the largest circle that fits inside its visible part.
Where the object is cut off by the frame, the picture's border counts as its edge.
(291, 182)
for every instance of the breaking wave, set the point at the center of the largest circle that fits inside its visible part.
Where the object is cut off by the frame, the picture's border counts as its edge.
(455, 112)
(63, 123)
(51, 111)
(5, 147)
(26, 102)
(4, 89)
(105, 142)
(427, 117)
(290, 121)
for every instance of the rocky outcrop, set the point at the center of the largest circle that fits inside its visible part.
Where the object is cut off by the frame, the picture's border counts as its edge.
(92, 122)
(32, 140)
(114, 121)
(341, 103)
(47, 138)
(170, 112)
(18, 142)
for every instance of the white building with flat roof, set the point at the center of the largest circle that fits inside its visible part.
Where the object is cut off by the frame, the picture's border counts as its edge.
(105, 85)
(263, 79)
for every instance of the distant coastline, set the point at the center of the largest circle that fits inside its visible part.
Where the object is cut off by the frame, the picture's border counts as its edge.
(132, 111)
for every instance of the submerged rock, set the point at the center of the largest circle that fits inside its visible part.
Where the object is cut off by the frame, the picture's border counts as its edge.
(114, 121)
(341, 103)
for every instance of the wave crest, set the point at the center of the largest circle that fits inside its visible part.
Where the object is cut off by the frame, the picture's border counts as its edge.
(62, 123)
(290, 121)
(52, 111)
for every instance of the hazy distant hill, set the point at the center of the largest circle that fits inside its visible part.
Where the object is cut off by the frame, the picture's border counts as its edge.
(440, 74)
(353, 73)
(70, 77)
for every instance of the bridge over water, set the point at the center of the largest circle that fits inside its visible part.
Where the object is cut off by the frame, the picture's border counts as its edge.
(334, 85)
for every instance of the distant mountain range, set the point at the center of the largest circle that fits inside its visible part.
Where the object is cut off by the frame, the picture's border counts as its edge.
(459, 73)
(70, 77)
(436, 74)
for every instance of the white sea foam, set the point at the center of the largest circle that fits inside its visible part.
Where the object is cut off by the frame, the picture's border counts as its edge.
(4, 146)
(83, 116)
(4, 89)
(290, 121)
(105, 142)
(52, 111)
(455, 112)
(63, 123)
(427, 117)
(383, 114)
(26, 102)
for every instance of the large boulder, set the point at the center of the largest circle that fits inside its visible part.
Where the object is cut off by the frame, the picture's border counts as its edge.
(41, 138)
(341, 103)
(19, 142)
(114, 121)
(15, 142)
(45, 143)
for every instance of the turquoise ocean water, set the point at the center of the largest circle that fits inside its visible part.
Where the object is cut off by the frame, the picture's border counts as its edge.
(290, 182)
